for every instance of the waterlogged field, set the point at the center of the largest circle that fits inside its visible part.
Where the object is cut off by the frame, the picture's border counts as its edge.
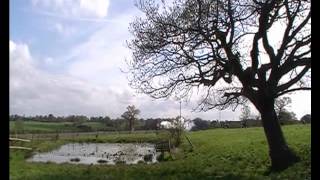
(217, 154)
(100, 153)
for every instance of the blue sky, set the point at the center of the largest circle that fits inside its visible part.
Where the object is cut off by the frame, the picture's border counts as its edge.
(66, 56)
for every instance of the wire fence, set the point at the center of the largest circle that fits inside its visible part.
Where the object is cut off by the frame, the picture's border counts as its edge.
(74, 135)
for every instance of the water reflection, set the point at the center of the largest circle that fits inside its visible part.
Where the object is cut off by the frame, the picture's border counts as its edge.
(100, 153)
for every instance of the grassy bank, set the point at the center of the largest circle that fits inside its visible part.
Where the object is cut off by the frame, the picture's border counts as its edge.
(217, 154)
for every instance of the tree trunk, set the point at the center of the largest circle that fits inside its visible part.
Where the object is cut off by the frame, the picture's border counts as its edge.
(280, 154)
(131, 126)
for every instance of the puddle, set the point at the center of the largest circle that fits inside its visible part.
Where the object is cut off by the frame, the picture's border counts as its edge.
(100, 153)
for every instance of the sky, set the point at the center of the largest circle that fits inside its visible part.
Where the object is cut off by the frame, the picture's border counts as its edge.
(67, 57)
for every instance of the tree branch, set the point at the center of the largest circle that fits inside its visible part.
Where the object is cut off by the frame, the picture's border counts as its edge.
(292, 81)
(291, 90)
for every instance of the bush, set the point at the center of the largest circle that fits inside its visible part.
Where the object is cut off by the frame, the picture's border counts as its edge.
(84, 127)
(200, 124)
(306, 118)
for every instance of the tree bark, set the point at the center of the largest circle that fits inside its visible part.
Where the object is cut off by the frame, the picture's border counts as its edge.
(131, 126)
(280, 154)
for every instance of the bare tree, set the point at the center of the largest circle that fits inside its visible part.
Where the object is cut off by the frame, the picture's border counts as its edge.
(232, 51)
(245, 113)
(281, 104)
(280, 107)
(130, 115)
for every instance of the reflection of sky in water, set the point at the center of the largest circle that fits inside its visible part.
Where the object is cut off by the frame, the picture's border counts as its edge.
(90, 153)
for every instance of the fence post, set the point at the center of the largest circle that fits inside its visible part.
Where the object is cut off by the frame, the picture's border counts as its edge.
(57, 135)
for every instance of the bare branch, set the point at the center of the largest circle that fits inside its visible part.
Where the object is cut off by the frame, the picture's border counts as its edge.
(293, 89)
(291, 82)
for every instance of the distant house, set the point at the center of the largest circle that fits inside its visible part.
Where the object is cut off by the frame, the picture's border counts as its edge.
(166, 125)
(187, 125)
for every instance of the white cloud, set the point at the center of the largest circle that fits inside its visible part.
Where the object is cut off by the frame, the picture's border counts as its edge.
(33, 91)
(12, 46)
(64, 29)
(95, 7)
(48, 60)
(301, 103)
(102, 55)
(74, 8)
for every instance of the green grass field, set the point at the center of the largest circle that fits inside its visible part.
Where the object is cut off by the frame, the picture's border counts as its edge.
(218, 154)
(52, 127)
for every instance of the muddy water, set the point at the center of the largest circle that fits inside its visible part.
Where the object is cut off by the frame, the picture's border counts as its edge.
(99, 153)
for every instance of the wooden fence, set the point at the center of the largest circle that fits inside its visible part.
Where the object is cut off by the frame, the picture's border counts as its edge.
(13, 140)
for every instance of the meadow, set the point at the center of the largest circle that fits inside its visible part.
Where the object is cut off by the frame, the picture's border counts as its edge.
(217, 154)
(53, 127)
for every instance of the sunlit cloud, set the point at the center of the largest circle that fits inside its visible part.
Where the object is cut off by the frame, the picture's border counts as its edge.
(73, 8)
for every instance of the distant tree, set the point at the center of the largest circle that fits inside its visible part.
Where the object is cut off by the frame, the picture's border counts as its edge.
(257, 117)
(281, 104)
(306, 118)
(225, 124)
(287, 116)
(151, 124)
(70, 118)
(130, 115)
(178, 125)
(120, 124)
(107, 120)
(284, 115)
(79, 120)
(200, 124)
(245, 112)
(139, 124)
(51, 117)
(245, 115)
(214, 123)
(14, 117)
(97, 119)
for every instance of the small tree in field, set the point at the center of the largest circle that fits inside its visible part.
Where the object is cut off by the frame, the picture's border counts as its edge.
(245, 115)
(130, 115)
(281, 104)
(287, 116)
(245, 112)
(177, 129)
(231, 51)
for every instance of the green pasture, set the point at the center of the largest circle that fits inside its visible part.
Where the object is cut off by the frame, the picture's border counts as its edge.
(217, 154)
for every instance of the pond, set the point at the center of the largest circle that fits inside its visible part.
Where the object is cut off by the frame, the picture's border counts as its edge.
(100, 153)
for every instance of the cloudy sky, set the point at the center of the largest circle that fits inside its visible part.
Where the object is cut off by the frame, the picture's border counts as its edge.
(66, 58)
